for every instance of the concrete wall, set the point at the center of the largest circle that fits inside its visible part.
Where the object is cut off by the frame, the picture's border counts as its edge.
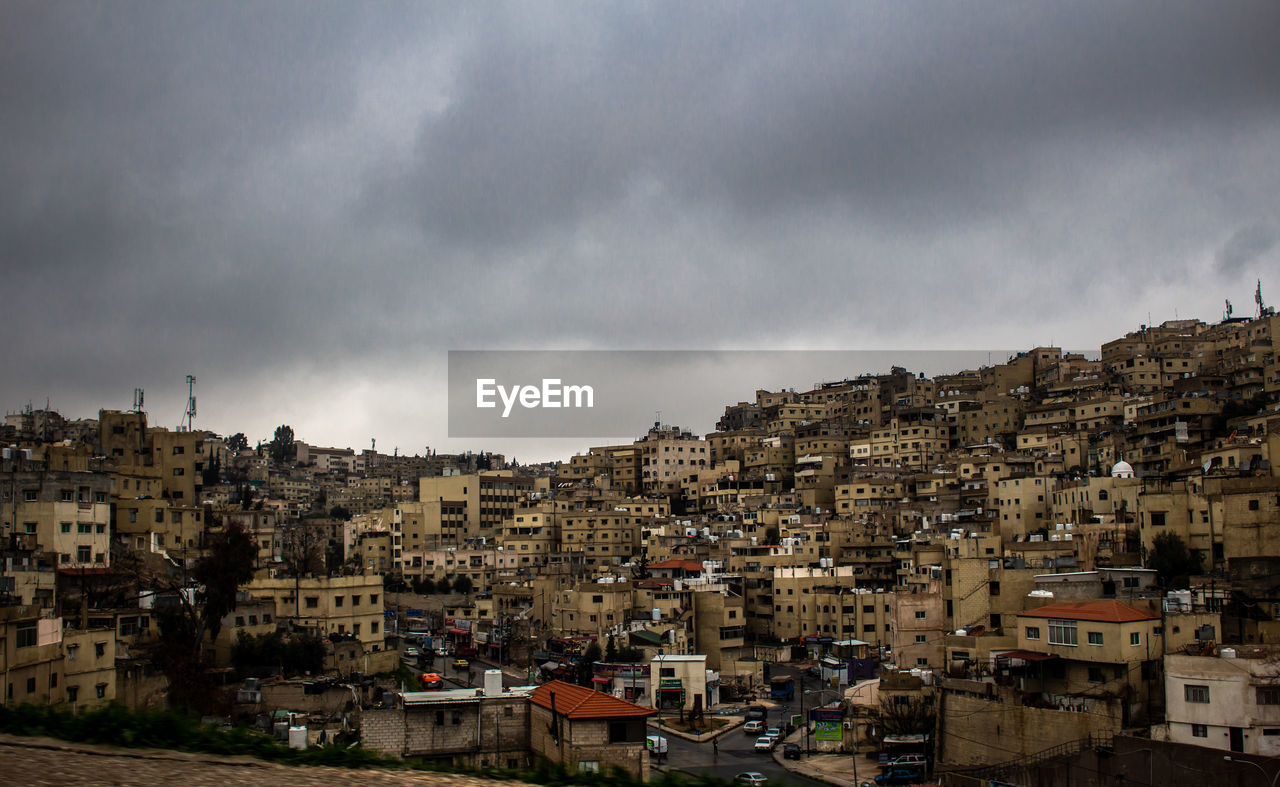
(983, 731)
(494, 732)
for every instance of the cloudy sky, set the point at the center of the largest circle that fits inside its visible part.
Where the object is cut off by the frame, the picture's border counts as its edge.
(307, 204)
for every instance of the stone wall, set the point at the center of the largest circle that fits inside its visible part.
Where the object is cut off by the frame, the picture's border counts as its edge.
(978, 731)
(494, 732)
(586, 741)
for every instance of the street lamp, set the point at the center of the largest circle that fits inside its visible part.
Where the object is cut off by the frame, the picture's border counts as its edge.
(1229, 758)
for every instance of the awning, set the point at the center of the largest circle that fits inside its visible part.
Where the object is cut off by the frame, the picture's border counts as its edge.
(599, 679)
(1025, 655)
(647, 637)
(551, 665)
(461, 632)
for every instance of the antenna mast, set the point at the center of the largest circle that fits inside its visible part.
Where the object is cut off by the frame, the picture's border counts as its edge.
(190, 415)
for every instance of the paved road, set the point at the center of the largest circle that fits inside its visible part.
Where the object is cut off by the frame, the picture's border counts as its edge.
(736, 756)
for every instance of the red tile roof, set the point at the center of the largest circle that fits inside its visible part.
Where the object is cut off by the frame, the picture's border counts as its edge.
(1101, 611)
(578, 702)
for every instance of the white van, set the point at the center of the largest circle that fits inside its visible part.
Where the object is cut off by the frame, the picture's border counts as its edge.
(656, 744)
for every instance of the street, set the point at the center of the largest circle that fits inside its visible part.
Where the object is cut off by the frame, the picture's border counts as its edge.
(736, 756)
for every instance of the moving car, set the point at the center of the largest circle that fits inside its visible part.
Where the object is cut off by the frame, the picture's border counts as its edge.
(751, 777)
(755, 726)
(656, 744)
(791, 751)
(765, 743)
(412, 653)
(431, 681)
(757, 712)
(773, 732)
(461, 664)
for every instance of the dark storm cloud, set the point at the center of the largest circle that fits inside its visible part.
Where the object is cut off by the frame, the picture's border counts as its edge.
(296, 199)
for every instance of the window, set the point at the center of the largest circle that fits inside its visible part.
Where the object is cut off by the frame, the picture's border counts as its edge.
(73, 693)
(101, 690)
(84, 553)
(31, 685)
(99, 649)
(921, 614)
(1268, 695)
(373, 598)
(1095, 675)
(1199, 731)
(355, 601)
(337, 601)
(65, 527)
(1062, 632)
(589, 766)
(355, 629)
(1033, 632)
(53, 680)
(1095, 637)
(311, 601)
(920, 638)
(1198, 694)
(1135, 638)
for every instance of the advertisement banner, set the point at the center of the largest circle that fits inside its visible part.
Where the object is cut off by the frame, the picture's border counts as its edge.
(828, 730)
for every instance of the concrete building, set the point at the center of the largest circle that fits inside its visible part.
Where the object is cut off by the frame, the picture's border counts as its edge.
(588, 730)
(1228, 701)
(476, 728)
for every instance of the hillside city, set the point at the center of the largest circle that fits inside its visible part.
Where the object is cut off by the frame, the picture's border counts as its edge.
(981, 575)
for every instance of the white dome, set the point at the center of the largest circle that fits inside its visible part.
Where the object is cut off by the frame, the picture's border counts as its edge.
(1122, 469)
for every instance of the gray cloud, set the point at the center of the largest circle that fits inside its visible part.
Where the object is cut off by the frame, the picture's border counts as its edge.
(1245, 246)
(294, 199)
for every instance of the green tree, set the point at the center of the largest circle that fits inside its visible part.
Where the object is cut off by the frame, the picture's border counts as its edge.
(610, 651)
(462, 584)
(237, 443)
(443, 587)
(339, 512)
(589, 658)
(282, 447)
(226, 566)
(1172, 561)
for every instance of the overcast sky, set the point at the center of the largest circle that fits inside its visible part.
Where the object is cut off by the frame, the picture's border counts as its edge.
(307, 204)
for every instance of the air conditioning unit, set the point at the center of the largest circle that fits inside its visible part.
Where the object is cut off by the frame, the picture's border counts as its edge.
(848, 725)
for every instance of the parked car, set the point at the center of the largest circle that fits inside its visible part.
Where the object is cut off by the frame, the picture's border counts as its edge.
(814, 671)
(901, 775)
(791, 751)
(914, 760)
(757, 713)
(751, 777)
(461, 664)
(755, 726)
(412, 653)
(765, 743)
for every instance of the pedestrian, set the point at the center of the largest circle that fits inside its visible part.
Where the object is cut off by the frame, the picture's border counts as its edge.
(715, 748)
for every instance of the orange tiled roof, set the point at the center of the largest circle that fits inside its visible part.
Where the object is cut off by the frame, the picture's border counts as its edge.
(1105, 611)
(577, 702)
